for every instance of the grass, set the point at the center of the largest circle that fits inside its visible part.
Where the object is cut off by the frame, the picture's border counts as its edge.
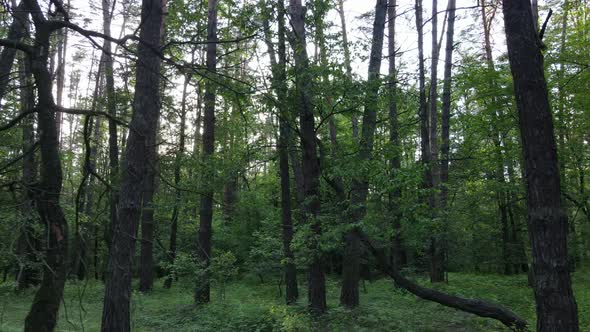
(251, 306)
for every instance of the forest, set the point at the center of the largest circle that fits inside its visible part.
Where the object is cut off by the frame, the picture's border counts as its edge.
(294, 165)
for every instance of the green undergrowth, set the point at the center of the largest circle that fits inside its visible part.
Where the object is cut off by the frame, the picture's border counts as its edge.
(252, 306)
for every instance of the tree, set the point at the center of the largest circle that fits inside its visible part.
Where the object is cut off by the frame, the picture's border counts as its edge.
(140, 144)
(280, 88)
(349, 296)
(310, 163)
(202, 291)
(556, 305)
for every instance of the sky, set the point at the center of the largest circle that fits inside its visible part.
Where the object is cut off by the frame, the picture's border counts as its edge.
(359, 30)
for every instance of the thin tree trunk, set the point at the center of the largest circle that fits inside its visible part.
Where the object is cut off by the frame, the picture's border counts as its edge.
(202, 291)
(349, 295)
(556, 305)
(310, 163)
(398, 253)
(177, 169)
(436, 250)
(280, 87)
(347, 62)
(141, 142)
(446, 113)
(112, 111)
(17, 30)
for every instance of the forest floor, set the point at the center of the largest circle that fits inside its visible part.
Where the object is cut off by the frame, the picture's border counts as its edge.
(251, 306)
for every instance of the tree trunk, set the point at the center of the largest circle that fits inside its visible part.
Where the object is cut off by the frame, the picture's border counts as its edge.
(17, 30)
(349, 295)
(310, 163)
(112, 111)
(141, 142)
(556, 305)
(202, 291)
(28, 242)
(446, 113)
(436, 250)
(44, 310)
(347, 62)
(146, 260)
(177, 169)
(280, 88)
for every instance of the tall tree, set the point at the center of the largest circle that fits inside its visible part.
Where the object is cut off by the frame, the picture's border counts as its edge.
(310, 163)
(280, 87)
(107, 14)
(349, 295)
(398, 255)
(446, 108)
(556, 305)
(347, 61)
(44, 310)
(437, 269)
(177, 168)
(140, 143)
(202, 291)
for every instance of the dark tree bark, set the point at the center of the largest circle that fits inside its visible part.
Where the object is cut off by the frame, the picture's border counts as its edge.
(44, 310)
(556, 305)
(474, 306)
(177, 169)
(112, 111)
(446, 107)
(202, 291)
(436, 250)
(16, 31)
(280, 88)
(398, 253)
(142, 136)
(349, 295)
(146, 260)
(28, 243)
(310, 163)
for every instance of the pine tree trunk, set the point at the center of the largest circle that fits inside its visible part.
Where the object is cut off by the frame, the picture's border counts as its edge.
(177, 169)
(311, 206)
(349, 295)
(146, 111)
(556, 305)
(202, 291)
(446, 111)
(280, 87)
(44, 310)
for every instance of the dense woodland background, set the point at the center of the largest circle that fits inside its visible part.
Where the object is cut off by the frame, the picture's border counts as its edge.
(278, 169)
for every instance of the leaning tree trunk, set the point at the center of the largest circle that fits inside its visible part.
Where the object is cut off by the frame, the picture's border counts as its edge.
(556, 305)
(45, 307)
(142, 136)
(349, 295)
(202, 291)
(310, 163)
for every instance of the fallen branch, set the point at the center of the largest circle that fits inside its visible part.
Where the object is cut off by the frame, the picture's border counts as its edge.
(474, 306)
